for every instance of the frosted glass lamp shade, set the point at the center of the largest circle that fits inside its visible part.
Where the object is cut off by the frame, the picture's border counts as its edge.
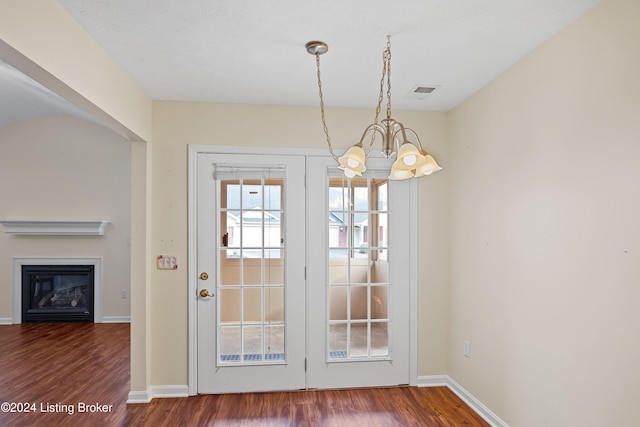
(353, 161)
(428, 167)
(408, 156)
(398, 173)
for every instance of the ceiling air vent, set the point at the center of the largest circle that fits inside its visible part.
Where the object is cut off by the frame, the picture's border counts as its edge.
(421, 91)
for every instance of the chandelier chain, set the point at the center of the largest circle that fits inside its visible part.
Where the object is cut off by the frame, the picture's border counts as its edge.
(387, 61)
(380, 98)
(386, 73)
(324, 120)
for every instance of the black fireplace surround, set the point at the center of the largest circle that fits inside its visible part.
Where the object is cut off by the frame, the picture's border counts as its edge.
(57, 293)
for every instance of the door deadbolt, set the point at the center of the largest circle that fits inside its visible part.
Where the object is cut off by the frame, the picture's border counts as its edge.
(204, 276)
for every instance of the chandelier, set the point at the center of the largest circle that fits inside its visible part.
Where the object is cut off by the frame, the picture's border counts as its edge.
(411, 161)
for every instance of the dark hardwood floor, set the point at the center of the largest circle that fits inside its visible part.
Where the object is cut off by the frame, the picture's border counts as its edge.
(78, 375)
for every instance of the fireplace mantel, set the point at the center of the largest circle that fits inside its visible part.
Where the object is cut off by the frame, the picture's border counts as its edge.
(55, 228)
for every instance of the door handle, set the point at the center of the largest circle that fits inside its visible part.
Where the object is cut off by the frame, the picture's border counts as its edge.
(205, 293)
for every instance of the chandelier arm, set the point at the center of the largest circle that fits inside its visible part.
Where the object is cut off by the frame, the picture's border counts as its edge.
(322, 114)
(374, 127)
(399, 128)
(396, 129)
(416, 135)
(396, 142)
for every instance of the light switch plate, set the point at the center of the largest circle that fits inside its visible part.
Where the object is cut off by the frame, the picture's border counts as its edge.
(166, 262)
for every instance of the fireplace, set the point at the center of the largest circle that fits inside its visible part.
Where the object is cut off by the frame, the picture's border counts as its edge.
(58, 293)
(21, 297)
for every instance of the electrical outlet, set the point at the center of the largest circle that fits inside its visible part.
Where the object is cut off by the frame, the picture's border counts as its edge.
(467, 348)
(124, 293)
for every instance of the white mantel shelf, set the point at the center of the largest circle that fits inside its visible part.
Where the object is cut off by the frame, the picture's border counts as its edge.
(55, 228)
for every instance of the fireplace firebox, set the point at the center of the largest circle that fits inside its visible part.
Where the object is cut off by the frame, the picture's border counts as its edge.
(57, 293)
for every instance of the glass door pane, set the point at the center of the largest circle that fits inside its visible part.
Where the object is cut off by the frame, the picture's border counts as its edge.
(357, 270)
(251, 287)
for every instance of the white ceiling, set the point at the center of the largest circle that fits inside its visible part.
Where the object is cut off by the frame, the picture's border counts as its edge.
(252, 52)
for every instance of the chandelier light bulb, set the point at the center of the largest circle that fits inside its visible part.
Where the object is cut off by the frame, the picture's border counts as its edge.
(409, 160)
(408, 156)
(349, 173)
(352, 162)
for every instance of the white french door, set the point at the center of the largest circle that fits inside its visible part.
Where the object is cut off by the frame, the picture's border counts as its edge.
(302, 274)
(358, 287)
(251, 285)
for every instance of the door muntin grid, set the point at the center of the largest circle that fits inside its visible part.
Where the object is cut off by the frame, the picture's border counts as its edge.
(251, 275)
(358, 287)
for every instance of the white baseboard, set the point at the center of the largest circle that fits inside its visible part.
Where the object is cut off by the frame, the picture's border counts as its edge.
(158, 391)
(138, 397)
(468, 398)
(116, 319)
(433, 381)
(6, 321)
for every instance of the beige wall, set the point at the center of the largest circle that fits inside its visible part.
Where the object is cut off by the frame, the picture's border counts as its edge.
(43, 41)
(177, 124)
(545, 236)
(60, 168)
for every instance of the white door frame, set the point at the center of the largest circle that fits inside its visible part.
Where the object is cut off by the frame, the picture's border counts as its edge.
(193, 151)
